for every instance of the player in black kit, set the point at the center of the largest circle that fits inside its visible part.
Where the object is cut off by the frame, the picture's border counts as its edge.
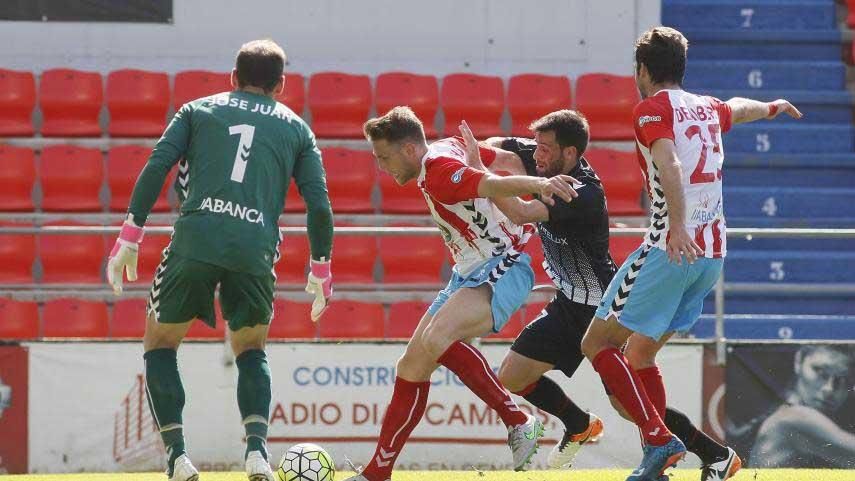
(575, 238)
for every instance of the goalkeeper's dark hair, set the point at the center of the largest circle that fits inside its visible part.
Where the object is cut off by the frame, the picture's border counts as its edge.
(397, 125)
(663, 51)
(570, 128)
(260, 64)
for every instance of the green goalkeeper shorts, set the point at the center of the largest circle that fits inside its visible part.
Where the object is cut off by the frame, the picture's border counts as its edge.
(183, 290)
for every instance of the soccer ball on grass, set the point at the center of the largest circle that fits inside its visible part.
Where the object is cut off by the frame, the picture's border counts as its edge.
(306, 462)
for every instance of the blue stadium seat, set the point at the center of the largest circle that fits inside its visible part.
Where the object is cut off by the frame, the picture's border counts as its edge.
(767, 136)
(806, 176)
(739, 243)
(791, 202)
(726, 44)
(789, 266)
(759, 75)
(840, 160)
(750, 14)
(771, 303)
(779, 327)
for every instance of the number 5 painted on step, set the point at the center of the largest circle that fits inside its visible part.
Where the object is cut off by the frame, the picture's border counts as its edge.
(242, 156)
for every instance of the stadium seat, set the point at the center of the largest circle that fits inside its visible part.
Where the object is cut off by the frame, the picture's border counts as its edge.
(404, 317)
(70, 101)
(478, 99)
(17, 176)
(352, 320)
(607, 101)
(75, 318)
(355, 257)
(351, 176)
(124, 164)
(291, 268)
(294, 94)
(511, 330)
(396, 199)
(195, 84)
(531, 96)
(128, 320)
(621, 247)
(850, 18)
(292, 320)
(72, 258)
(419, 92)
(17, 254)
(137, 101)
(339, 103)
(18, 320)
(622, 180)
(71, 178)
(17, 101)
(150, 255)
(408, 259)
(535, 250)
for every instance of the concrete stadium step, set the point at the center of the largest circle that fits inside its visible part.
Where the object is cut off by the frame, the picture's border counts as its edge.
(730, 44)
(794, 223)
(750, 14)
(735, 243)
(772, 137)
(790, 202)
(759, 75)
(779, 327)
(789, 266)
(745, 303)
(817, 106)
(779, 160)
(790, 176)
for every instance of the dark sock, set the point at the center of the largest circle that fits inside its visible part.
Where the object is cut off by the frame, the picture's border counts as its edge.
(253, 394)
(696, 440)
(546, 394)
(165, 395)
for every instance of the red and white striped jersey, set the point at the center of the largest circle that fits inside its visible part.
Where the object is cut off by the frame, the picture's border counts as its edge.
(695, 123)
(473, 228)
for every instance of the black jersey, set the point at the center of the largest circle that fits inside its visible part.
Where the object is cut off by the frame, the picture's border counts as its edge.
(576, 237)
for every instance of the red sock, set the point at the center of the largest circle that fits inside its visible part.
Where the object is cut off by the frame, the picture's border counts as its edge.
(624, 383)
(652, 380)
(471, 367)
(409, 400)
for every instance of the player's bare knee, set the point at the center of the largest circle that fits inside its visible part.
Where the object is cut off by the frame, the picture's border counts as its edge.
(248, 339)
(437, 337)
(510, 377)
(640, 357)
(161, 336)
(414, 367)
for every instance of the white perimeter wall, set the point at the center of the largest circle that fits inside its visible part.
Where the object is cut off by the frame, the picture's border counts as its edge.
(499, 37)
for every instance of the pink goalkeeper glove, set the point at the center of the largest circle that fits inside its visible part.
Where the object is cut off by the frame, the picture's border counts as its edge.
(319, 283)
(124, 256)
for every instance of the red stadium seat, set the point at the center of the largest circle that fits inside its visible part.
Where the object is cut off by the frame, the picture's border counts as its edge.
(128, 319)
(408, 259)
(291, 268)
(17, 176)
(607, 101)
(70, 101)
(404, 317)
(124, 164)
(195, 84)
(17, 101)
(419, 92)
(339, 104)
(531, 96)
(17, 254)
(511, 330)
(292, 320)
(622, 247)
(137, 101)
(354, 258)
(75, 318)
(850, 18)
(294, 94)
(18, 320)
(621, 178)
(397, 199)
(351, 176)
(535, 250)
(478, 99)
(71, 178)
(352, 320)
(72, 258)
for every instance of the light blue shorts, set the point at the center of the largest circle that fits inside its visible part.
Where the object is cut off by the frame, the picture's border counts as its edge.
(510, 277)
(652, 296)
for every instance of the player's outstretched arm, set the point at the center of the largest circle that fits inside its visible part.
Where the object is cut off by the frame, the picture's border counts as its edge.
(671, 175)
(747, 110)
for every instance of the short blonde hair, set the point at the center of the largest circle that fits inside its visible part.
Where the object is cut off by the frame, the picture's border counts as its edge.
(396, 125)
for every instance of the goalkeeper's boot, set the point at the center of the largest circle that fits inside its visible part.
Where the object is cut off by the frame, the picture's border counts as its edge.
(723, 469)
(257, 467)
(657, 459)
(564, 452)
(523, 441)
(183, 470)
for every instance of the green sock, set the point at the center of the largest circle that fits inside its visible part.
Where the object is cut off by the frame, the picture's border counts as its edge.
(253, 393)
(165, 395)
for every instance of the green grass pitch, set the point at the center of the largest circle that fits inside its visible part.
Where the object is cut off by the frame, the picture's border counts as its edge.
(574, 475)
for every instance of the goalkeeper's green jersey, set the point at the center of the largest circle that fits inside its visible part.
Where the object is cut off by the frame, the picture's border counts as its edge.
(240, 152)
